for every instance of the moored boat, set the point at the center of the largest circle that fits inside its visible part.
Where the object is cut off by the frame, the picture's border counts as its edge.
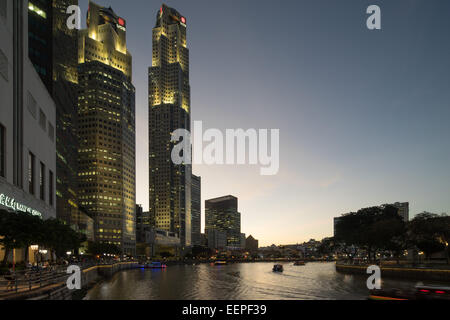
(299, 263)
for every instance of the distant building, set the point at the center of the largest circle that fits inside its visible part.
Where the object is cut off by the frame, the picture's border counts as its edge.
(242, 241)
(196, 209)
(143, 223)
(158, 243)
(222, 214)
(203, 240)
(217, 239)
(403, 210)
(335, 222)
(251, 244)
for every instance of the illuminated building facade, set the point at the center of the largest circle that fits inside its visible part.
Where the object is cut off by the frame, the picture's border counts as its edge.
(106, 116)
(169, 110)
(27, 125)
(222, 214)
(196, 209)
(53, 50)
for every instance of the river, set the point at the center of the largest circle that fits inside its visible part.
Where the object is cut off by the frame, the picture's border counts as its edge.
(240, 281)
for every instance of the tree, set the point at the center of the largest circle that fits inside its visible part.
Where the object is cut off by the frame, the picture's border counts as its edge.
(100, 248)
(429, 233)
(371, 228)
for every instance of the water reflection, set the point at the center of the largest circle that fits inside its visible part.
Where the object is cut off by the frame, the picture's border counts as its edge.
(247, 281)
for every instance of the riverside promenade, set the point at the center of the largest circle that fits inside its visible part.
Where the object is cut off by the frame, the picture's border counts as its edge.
(419, 273)
(51, 284)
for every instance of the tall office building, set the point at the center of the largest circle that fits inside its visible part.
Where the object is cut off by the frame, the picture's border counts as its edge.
(27, 122)
(222, 214)
(196, 209)
(106, 116)
(169, 110)
(53, 50)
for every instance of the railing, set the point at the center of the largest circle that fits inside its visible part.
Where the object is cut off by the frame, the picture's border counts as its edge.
(27, 280)
(31, 279)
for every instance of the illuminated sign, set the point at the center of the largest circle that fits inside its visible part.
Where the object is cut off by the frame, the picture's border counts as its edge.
(11, 203)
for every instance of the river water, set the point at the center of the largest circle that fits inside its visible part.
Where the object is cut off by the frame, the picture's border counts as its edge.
(240, 281)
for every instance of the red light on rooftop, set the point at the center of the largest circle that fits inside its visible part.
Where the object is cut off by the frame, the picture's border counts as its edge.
(122, 22)
(183, 19)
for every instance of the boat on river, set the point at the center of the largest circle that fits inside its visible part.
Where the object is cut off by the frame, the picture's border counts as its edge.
(277, 268)
(420, 292)
(220, 262)
(299, 263)
(155, 265)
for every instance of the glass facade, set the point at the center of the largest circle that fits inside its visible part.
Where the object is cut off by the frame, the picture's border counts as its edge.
(222, 214)
(169, 110)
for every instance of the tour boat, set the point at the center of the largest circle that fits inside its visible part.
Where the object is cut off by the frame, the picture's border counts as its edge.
(420, 293)
(155, 265)
(277, 268)
(220, 262)
(299, 263)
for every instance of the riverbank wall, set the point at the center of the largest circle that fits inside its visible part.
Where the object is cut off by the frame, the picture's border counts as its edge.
(59, 291)
(419, 274)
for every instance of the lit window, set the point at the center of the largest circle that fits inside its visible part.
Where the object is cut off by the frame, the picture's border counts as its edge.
(36, 10)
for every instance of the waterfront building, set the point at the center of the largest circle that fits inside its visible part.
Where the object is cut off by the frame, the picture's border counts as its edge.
(217, 239)
(143, 223)
(27, 123)
(106, 116)
(222, 214)
(251, 244)
(196, 210)
(53, 50)
(243, 241)
(158, 243)
(169, 110)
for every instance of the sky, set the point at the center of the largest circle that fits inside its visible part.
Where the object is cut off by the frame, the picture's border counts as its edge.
(363, 114)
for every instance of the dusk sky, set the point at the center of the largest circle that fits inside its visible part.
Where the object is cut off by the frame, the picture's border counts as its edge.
(363, 115)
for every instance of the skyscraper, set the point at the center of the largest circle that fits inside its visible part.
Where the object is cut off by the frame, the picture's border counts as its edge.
(106, 110)
(196, 209)
(27, 122)
(53, 50)
(169, 110)
(222, 214)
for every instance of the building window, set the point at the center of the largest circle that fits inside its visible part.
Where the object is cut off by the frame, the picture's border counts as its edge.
(50, 188)
(3, 8)
(51, 132)
(42, 119)
(31, 159)
(3, 64)
(2, 151)
(42, 182)
(32, 105)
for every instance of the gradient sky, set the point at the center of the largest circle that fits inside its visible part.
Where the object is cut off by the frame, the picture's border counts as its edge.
(363, 115)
